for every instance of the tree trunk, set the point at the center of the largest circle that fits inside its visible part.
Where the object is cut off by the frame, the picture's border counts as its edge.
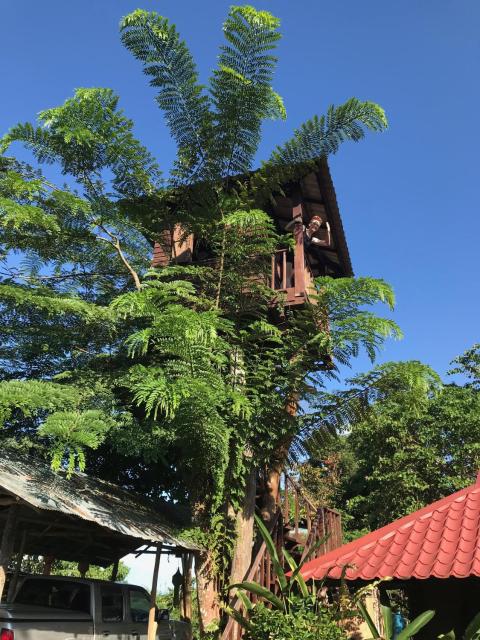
(270, 492)
(207, 593)
(242, 555)
(271, 481)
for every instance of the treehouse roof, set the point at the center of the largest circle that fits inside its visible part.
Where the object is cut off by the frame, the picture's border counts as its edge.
(81, 518)
(441, 540)
(316, 193)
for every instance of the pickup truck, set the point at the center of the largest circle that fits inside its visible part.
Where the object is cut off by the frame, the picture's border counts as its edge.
(62, 608)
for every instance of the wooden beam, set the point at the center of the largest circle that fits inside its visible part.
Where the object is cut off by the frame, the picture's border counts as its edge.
(6, 548)
(299, 257)
(152, 623)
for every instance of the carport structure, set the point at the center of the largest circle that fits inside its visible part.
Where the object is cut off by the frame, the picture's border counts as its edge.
(79, 518)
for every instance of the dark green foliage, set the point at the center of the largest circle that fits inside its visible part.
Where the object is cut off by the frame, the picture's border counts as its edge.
(322, 136)
(468, 364)
(167, 60)
(302, 623)
(405, 440)
(87, 135)
(34, 564)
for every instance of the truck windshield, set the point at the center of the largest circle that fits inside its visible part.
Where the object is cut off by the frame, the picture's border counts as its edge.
(57, 594)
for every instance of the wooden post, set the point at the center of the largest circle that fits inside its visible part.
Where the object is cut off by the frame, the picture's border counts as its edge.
(152, 623)
(47, 565)
(187, 560)
(18, 566)
(299, 258)
(6, 548)
(114, 575)
(83, 567)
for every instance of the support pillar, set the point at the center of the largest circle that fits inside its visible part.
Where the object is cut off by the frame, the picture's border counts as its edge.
(187, 561)
(18, 566)
(6, 548)
(152, 623)
(114, 575)
(47, 565)
(83, 568)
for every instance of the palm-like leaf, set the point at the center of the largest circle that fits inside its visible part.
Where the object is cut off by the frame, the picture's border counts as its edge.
(241, 87)
(322, 136)
(166, 58)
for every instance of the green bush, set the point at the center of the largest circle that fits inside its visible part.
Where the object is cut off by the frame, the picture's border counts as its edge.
(301, 623)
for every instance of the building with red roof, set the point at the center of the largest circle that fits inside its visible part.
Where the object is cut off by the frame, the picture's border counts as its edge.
(432, 554)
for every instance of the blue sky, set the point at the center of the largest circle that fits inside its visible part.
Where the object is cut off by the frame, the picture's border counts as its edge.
(408, 197)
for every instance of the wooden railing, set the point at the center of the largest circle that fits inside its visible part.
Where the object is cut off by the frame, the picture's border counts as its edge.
(309, 524)
(262, 572)
(290, 277)
(299, 524)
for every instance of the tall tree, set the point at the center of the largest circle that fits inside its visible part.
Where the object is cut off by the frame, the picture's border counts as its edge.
(182, 367)
(409, 440)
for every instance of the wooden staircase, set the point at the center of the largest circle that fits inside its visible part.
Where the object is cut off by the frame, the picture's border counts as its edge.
(298, 526)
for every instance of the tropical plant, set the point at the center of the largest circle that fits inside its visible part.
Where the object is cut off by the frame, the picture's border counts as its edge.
(292, 610)
(411, 629)
(297, 609)
(471, 632)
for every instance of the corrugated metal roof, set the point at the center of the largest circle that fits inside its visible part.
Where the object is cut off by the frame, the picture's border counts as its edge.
(90, 499)
(441, 540)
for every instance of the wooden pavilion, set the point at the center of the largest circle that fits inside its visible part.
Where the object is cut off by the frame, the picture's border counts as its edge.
(432, 555)
(81, 519)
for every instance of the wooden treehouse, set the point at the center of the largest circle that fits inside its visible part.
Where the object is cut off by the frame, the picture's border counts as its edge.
(308, 208)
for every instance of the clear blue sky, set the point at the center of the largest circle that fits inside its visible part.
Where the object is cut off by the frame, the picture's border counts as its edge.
(408, 197)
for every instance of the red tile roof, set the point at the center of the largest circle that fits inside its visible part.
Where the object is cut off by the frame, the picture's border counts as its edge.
(441, 541)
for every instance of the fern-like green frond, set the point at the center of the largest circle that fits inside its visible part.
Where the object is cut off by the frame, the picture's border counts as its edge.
(86, 135)
(166, 59)
(322, 136)
(241, 87)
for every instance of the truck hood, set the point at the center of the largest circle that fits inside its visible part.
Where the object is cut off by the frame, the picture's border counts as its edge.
(28, 612)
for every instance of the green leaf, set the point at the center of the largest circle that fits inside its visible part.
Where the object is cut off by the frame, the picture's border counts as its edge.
(258, 590)
(366, 616)
(473, 628)
(245, 601)
(417, 624)
(322, 136)
(242, 621)
(387, 621)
